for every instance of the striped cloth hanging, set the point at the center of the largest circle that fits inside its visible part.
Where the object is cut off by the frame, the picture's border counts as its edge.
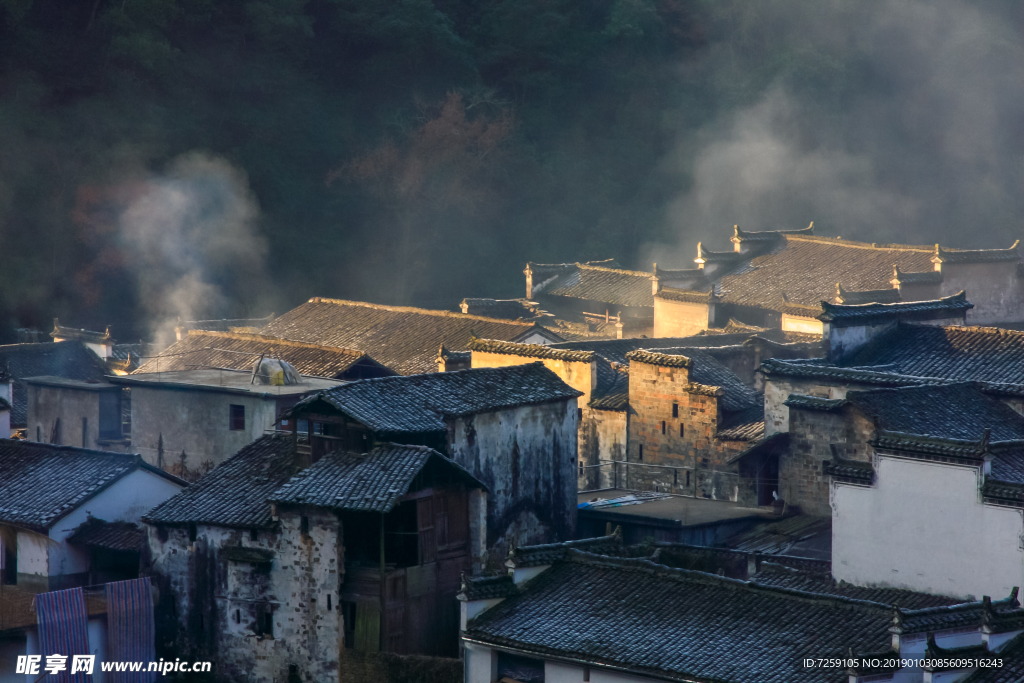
(63, 630)
(131, 634)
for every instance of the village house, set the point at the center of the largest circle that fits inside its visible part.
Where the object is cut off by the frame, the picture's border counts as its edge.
(778, 279)
(187, 421)
(73, 513)
(67, 359)
(513, 428)
(595, 299)
(275, 566)
(601, 370)
(584, 614)
(199, 349)
(73, 412)
(401, 338)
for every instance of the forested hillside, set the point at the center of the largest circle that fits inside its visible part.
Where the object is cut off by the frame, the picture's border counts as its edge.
(234, 157)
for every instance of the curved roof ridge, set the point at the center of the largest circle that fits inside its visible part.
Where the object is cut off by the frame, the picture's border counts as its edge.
(253, 336)
(606, 269)
(413, 309)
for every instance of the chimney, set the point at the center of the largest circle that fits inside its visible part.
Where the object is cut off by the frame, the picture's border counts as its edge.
(529, 281)
(655, 281)
(618, 328)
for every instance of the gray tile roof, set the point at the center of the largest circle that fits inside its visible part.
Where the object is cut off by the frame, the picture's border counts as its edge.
(960, 615)
(602, 284)
(744, 425)
(235, 492)
(404, 339)
(910, 278)
(976, 255)
(508, 309)
(43, 482)
(239, 351)
(890, 295)
(529, 350)
(1012, 670)
(549, 553)
(419, 403)
(682, 624)
(98, 533)
(372, 482)
(781, 576)
(862, 314)
(968, 353)
(952, 411)
(612, 392)
(803, 269)
(487, 587)
(615, 350)
(685, 295)
(70, 359)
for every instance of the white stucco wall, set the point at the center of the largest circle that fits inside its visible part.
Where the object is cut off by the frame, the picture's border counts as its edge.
(126, 500)
(922, 526)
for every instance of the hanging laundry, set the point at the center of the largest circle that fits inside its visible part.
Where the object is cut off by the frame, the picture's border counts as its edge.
(131, 634)
(63, 631)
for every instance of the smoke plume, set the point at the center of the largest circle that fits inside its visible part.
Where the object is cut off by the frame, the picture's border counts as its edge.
(903, 123)
(193, 237)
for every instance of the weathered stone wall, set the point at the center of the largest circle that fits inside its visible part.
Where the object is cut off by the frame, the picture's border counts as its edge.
(527, 458)
(692, 462)
(679, 318)
(811, 435)
(210, 605)
(385, 667)
(46, 404)
(602, 441)
(196, 422)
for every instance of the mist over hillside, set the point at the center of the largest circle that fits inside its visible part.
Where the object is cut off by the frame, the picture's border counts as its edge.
(163, 158)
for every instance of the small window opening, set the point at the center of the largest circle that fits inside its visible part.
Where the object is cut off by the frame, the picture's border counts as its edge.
(579, 414)
(687, 477)
(641, 452)
(193, 532)
(39, 434)
(236, 420)
(254, 535)
(304, 525)
(265, 621)
(663, 426)
(238, 616)
(675, 410)
(680, 430)
(85, 432)
(161, 533)
(328, 602)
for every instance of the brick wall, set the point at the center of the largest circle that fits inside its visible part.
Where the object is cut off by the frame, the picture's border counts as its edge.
(811, 434)
(694, 462)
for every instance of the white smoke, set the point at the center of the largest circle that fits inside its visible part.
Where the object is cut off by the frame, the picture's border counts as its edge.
(193, 236)
(921, 143)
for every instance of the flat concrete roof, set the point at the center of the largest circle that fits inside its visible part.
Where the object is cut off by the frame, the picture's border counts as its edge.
(222, 379)
(681, 510)
(65, 383)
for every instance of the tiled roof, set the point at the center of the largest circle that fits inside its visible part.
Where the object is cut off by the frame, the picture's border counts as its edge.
(890, 295)
(402, 338)
(1012, 670)
(549, 553)
(508, 309)
(235, 492)
(967, 353)
(960, 615)
(708, 256)
(882, 375)
(950, 306)
(814, 402)
(612, 392)
(372, 482)
(740, 235)
(851, 471)
(976, 255)
(97, 533)
(598, 283)
(804, 270)
(70, 359)
(487, 587)
(239, 351)
(781, 576)
(43, 482)
(673, 360)
(745, 425)
(685, 295)
(419, 403)
(225, 324)
(76, 334)
(529, 350)
(922, 278)
(779, 537)
(547, 270)
(682, 624)
(952, 411)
